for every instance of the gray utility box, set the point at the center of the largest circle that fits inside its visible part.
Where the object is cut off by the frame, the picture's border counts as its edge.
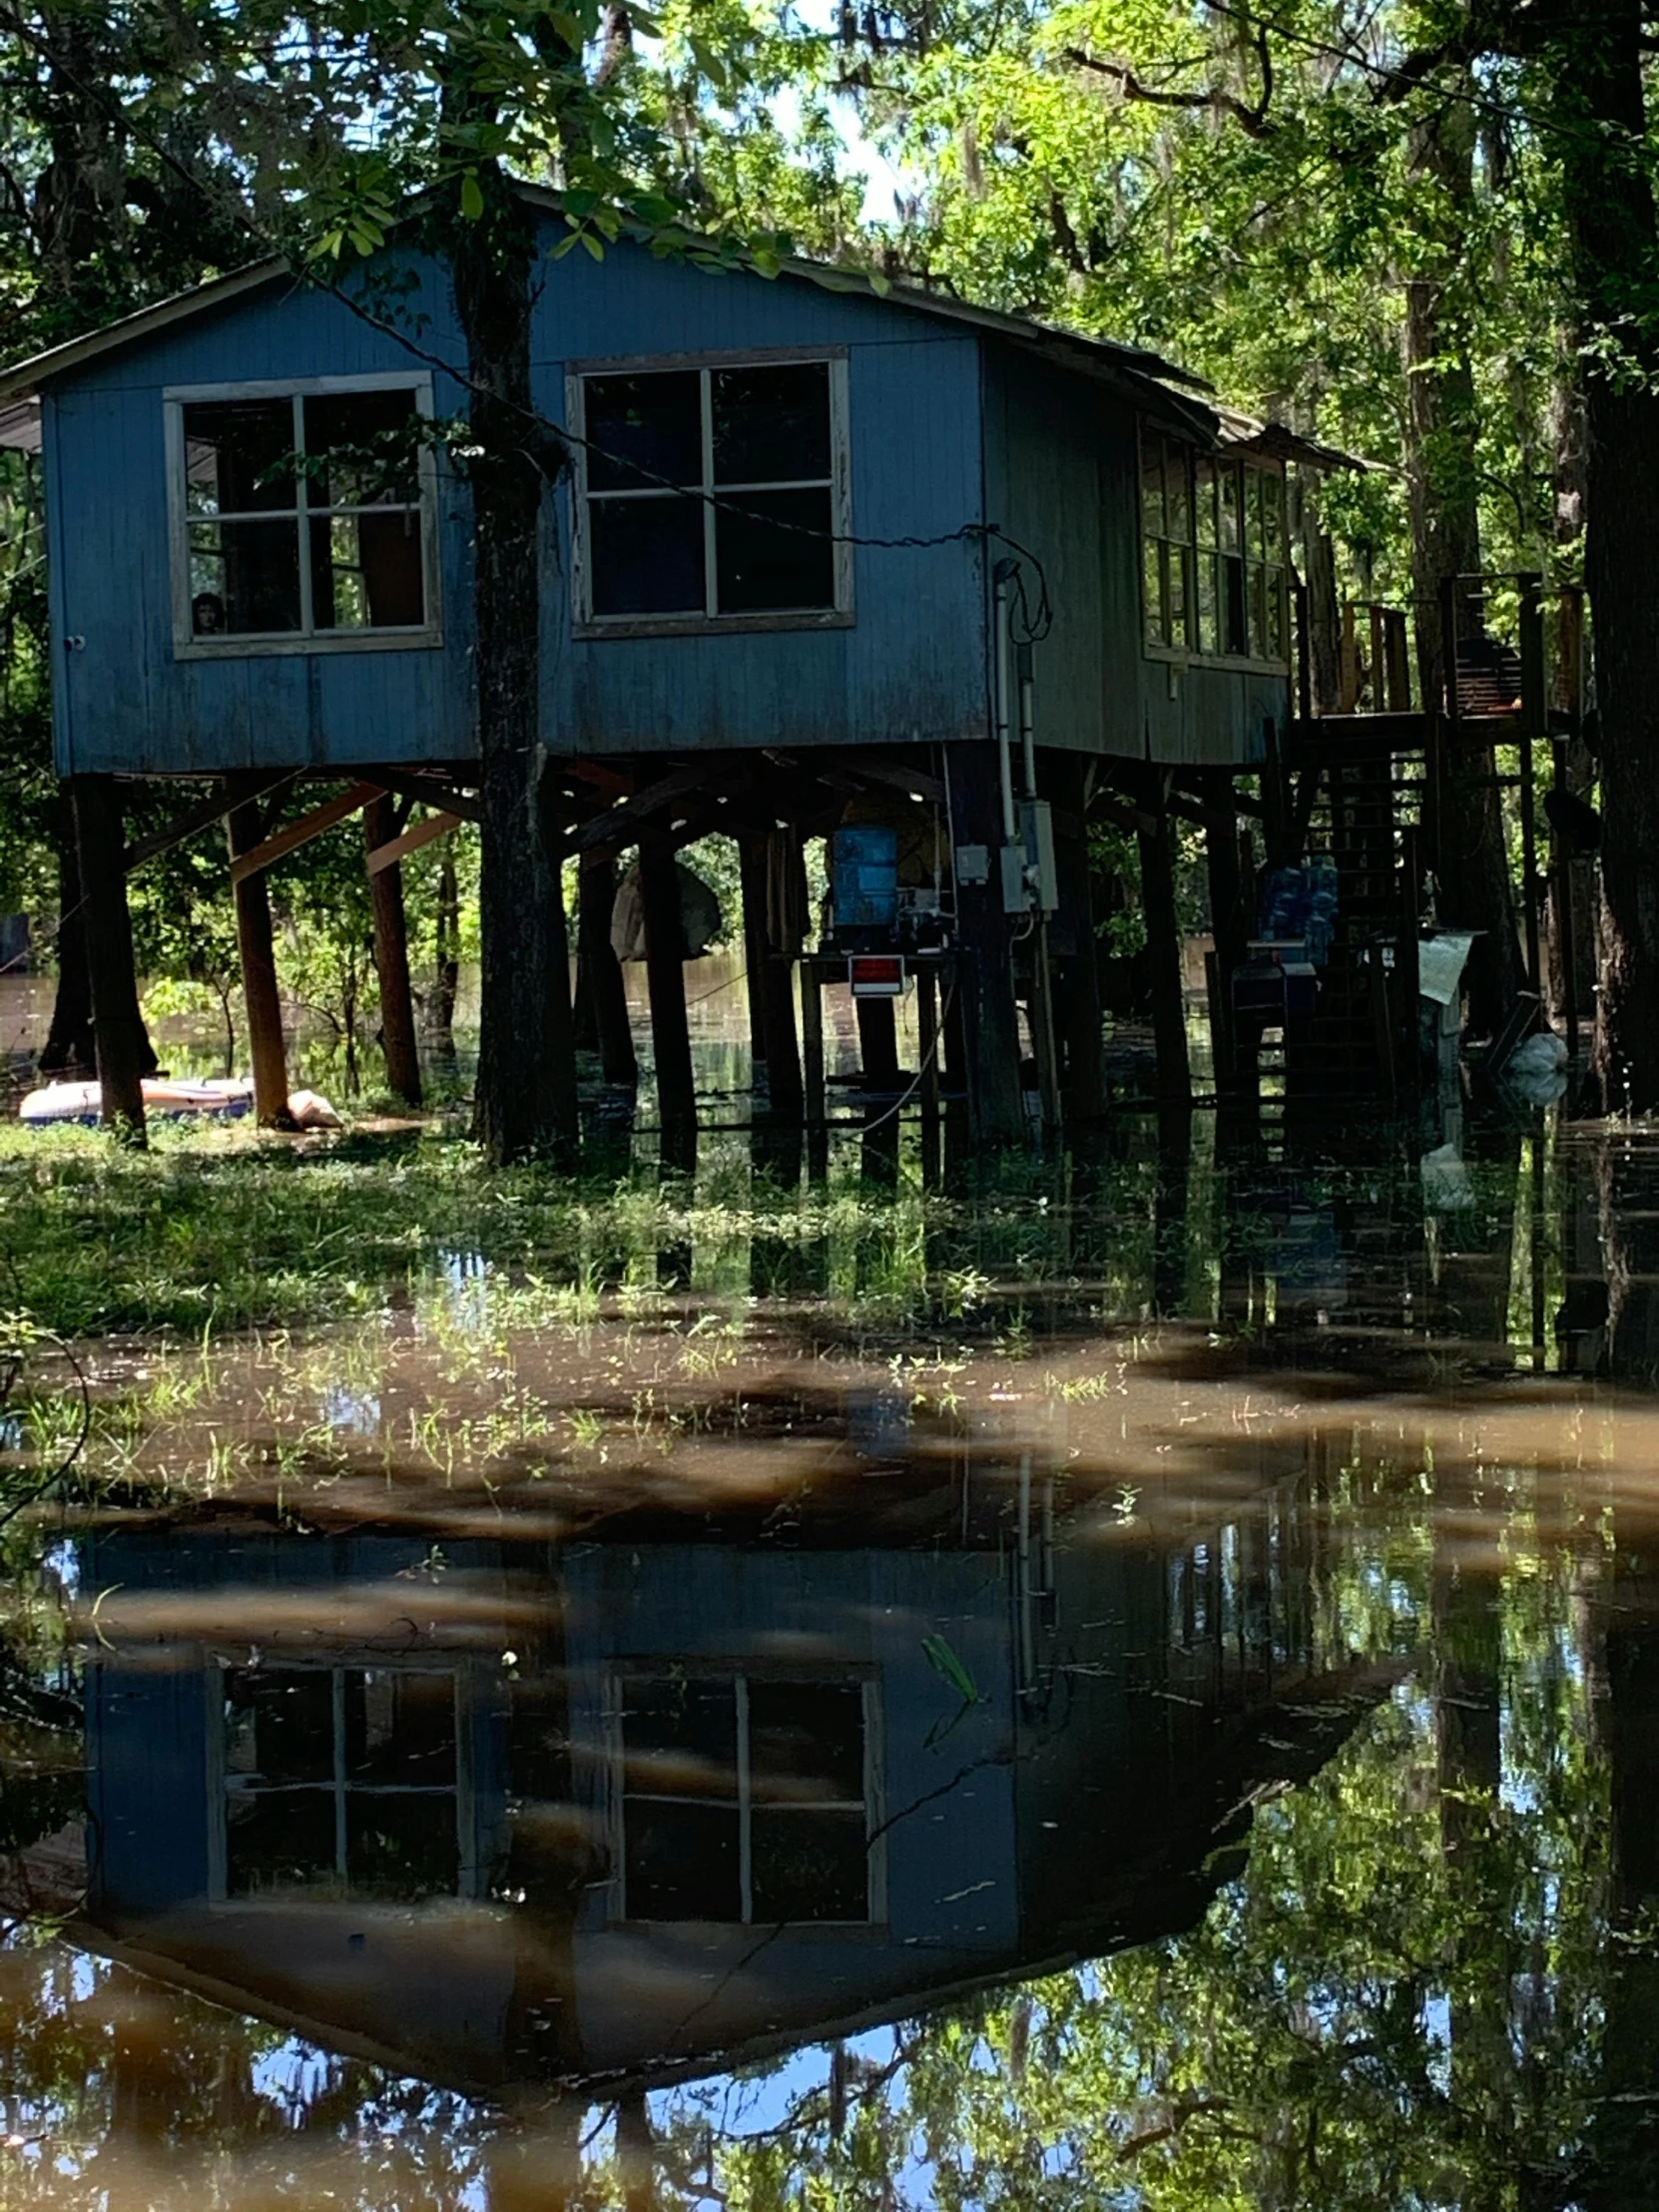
(1029, 877)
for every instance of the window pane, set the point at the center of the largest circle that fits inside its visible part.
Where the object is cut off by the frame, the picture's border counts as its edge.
(244, 578)
(1209, 614)
(770, 424)
(1277, 639)
(360, 448)
(1273, 515)
(1259, 643)
(808, 1866)
(806, 1742)
(1152, 484)
(763, 566)
(400, 1727)
(680, 1737)
(1203, 500)
(402, 1847)
(1178, 497)
(366, 572)
(681, 1861)
(654, 422)
(1177, 563)
(279, 1724)
(238, 455)
(1152, 586)
(646, 556)
(1230, 518)
(278, 1840)
(1235, 633)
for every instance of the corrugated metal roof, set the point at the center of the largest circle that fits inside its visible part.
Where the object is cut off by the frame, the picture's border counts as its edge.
(1246, 433)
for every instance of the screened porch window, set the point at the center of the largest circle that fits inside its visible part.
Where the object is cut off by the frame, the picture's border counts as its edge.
(745, 1799)
(711, 494)
(1213, 571)
(301, 517)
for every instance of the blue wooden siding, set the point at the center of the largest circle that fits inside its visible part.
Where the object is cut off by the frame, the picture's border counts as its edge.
(122, 701)
(1062, 475)
(947, 427)
(912, 667)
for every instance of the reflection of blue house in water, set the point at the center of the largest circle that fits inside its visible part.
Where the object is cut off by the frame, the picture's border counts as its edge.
(514, 1813)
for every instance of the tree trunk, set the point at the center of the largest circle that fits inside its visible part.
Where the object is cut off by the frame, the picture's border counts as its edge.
(69, 1048)
(1441, 417)
(123, 1047)
(526, 1090)
(1610, 211)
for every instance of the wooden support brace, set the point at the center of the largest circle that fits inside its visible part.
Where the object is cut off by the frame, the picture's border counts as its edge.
(614, 825)
(201, 816)
(431, 791)
(296, 833)
(412, 841)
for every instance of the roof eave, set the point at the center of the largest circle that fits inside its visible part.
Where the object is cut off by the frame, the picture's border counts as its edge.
(25, 380)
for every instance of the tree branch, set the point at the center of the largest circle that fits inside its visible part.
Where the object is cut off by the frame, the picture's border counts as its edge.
(1253, 121)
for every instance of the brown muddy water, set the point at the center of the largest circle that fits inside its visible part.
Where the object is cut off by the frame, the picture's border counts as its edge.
(1144, 1696)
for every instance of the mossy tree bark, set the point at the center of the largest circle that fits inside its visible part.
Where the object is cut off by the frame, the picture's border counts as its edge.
(1597, 59)
(526, 1090)
(1442, 476)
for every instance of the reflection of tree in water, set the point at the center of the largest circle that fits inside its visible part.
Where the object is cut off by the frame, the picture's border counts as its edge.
(1399, 2003)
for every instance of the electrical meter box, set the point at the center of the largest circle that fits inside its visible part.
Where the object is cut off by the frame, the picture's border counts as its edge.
(1029, 877)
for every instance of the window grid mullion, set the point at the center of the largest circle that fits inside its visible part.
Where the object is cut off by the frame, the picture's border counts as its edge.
(710, 587)
(745, 1855)
(307, 618)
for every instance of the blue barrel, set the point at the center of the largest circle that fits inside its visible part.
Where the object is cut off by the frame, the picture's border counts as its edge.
(863, 876)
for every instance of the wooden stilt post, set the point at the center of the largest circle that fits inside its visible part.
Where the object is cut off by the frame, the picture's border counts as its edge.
(783, 1053)
(664, 940)
(985, 977)
(927, 1038)
(751, 863)
(391, 956)
(1163, 944)
(1077, 980)
(119, 1039)
(877, 1044)
(258, 975)
(811, 1056)
(1229, 913)
(607, 993)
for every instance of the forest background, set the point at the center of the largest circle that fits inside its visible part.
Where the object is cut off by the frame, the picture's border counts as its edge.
(1423, 233)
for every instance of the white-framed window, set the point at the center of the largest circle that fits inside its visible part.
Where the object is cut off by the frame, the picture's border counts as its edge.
(745, 1797)
(303, 516)
(710, 493)
(1214, 572)
(345, 1780)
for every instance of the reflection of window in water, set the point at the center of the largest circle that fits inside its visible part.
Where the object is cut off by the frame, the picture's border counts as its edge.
(745, 1799)
(340, 1779)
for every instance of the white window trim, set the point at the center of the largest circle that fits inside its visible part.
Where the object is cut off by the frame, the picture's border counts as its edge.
(266, 645)
(1192, 656)
(469, 1873)
(586, 623)
(740, 1674)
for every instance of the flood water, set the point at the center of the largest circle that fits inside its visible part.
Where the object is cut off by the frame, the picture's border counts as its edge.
(1142, 1691)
